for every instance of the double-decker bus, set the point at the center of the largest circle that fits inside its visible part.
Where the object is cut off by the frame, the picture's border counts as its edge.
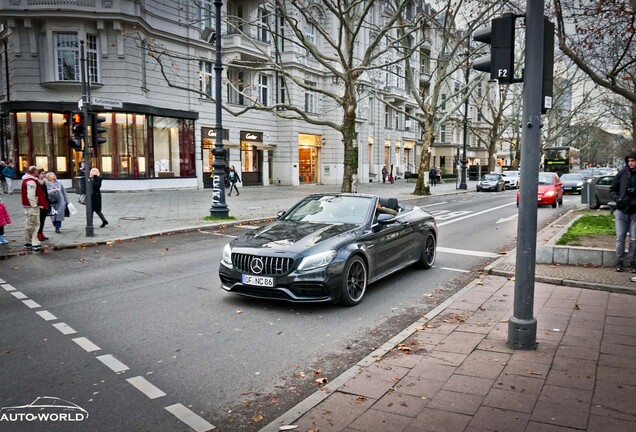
(561, 160)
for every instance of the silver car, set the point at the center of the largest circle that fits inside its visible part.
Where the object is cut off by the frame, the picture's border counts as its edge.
(511, 178)
(601, 187)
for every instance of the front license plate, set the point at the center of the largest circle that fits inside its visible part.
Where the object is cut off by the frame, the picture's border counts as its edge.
(263, 281)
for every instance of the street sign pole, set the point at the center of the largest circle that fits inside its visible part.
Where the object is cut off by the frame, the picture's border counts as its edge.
(522, 326)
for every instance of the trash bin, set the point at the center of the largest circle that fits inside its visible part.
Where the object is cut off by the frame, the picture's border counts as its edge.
(79, 183)
(585, 192)
(591, 195)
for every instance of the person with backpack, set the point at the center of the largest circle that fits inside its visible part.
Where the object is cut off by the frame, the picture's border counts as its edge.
(233, 177)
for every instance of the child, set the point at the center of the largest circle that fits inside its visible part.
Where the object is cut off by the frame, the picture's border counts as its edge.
(4, 220)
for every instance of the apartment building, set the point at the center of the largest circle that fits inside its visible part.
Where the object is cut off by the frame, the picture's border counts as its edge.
(150, 66)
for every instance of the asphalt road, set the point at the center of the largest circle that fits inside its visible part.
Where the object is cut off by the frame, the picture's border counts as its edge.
(155, 312)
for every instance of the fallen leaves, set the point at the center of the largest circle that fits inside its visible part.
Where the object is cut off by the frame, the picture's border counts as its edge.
(257, 418)
(404, 349)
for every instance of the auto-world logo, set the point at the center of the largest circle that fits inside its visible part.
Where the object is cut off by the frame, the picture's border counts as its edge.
(44, 409)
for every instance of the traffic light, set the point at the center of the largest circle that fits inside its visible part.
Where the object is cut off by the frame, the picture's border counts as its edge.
(501, 37)
(97, 130)
(77, 129)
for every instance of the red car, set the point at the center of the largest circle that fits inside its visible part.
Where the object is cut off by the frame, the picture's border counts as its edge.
(550, 190)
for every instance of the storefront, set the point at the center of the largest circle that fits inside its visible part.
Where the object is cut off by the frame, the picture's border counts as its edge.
(138, 145)
(308, 151)
(253, 157)
(208, 139)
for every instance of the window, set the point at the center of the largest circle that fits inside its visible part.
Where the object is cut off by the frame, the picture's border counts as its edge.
(371, 110)
(263, 25)
(310, 32)
(443, 104)
(206, 78)
(236, 86)
(205, 13)
(442, 133)
(396, 115)
(263, 89)
(399, 71)
(281, 90)
(310, 98)
(387, 117)
(67, 57)
(407, 119)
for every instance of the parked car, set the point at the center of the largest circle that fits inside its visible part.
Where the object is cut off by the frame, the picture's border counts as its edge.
(491, 182)
(572, 182)
(549, 191)
(601, 186)
(511, 178)
(328, 248)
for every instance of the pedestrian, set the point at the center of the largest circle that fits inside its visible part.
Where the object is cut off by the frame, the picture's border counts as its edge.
(391, 178)
(432, 175)
(43, 211)
(3, 180)
(33, 199)
(438, 175)
(233, 177)
(4, 220)
(623, 192)
(59, 200)
(384, 173)
(96, 196)
(9, 173)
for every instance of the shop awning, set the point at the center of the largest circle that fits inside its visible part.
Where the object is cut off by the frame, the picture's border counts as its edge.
(261, 146)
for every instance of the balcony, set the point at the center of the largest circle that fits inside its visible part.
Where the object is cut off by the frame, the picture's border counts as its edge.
(394, 94)
(241, 47)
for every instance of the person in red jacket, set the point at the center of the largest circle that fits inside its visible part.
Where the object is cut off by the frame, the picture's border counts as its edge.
(33, 199)
(4, 220)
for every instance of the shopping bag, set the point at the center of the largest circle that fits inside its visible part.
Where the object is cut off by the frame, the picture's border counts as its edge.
(71, 208)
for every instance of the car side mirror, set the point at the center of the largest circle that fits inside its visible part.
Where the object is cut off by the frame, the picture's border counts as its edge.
(385, 219)
(280, 214)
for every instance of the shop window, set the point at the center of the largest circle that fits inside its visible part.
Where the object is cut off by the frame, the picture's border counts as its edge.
(41, 140)
(173, 148)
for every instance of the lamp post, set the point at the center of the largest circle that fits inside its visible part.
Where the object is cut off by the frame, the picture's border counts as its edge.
(219, 207)
(462, 184)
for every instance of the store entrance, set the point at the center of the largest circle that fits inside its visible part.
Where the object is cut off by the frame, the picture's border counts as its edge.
(307, 166)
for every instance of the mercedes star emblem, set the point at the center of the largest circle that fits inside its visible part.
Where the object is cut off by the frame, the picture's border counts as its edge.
(256, 265)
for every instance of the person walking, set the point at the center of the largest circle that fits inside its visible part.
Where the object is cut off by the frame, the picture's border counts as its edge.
(9, 173)
(3, 181)
(623, 192)
(4, 220)
(432, 176)
(233, 177)
(438, 175)
(96, 196)
(384, 173)
(43, 211)
(59, 200)
(33, 199)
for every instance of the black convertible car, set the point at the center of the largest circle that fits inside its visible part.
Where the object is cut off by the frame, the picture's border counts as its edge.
(328, 248)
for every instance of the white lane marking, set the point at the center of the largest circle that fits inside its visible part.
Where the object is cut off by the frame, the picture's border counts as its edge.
(146, 387)
(86, 344)
(8, 287)
(456, 269)
(18, 295)
(48, 316)
(508, 219)
(447, 214)
(2, 281)
(64, 328)
(476, 214)
(110, 361)
(31, 304)
(436, 204)
(468, 252)
(189, 418)
(249, 227)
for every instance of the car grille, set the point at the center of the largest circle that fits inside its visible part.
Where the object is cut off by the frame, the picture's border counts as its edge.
(272, 266)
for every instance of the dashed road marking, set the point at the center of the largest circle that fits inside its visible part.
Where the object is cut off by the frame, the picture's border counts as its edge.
(31, 304)
(468, 252)
(144, 386)
(110, 361)
(64, 328)
(18, 295)
(48, 316)
(86, 344)
(456, 270)
(8, 287)
(189, 418)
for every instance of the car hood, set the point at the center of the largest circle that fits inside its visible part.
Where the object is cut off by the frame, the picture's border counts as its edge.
(294, 236)
(544, 188)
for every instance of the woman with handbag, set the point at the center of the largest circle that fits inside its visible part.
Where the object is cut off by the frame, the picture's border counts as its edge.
(44, 212)
(59, 200)
(96, 197)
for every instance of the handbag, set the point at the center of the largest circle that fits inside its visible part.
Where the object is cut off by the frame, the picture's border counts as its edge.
(82, 199)
(71, 209)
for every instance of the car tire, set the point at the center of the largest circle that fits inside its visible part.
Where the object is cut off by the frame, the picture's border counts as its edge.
(428, 252)
(354, 281)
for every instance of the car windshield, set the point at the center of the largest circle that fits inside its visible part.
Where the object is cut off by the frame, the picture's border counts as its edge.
(546, 178)
(492, 177)
(510, 174)
(331, 209)
(571, 177)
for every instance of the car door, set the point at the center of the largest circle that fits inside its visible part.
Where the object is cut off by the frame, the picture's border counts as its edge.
(387, 245)
(603, 185)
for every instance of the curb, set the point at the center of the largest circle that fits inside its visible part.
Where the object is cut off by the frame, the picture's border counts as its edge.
(315, 398)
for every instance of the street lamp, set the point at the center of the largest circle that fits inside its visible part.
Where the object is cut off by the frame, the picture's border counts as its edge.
(462, 184)
(219, 207)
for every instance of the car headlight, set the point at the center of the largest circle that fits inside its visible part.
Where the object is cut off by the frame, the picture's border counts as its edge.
(580, 184)
(227, 254)
(317, 260)
(549, 193)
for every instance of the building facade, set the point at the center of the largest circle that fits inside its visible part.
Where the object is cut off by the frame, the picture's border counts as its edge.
(150, 71)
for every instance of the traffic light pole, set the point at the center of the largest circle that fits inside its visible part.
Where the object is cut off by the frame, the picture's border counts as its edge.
(463, 184)
(90, 232)
(522, 326)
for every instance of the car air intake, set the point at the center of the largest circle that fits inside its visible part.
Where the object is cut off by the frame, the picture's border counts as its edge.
(266, 266)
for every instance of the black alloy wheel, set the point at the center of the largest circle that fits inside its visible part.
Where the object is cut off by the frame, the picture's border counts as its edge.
(354, 281)
(429, 252)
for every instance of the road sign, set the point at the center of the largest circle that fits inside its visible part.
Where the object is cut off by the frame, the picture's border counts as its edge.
(106, 102)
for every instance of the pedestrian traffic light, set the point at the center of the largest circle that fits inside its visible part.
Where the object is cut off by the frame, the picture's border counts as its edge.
(77, 129)
(97, 130)
(501, 37)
